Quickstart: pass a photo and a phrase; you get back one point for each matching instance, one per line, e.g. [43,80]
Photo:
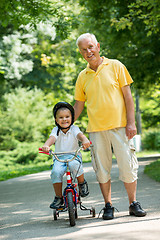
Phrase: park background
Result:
[40,62]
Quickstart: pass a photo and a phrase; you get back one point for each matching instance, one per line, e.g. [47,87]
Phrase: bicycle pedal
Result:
[60,208]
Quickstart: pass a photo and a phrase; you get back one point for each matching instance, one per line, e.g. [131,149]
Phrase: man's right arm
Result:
[78,108]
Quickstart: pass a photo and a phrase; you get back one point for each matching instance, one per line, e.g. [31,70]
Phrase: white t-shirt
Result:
[68,141]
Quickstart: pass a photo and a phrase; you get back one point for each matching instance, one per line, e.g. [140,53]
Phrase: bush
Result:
[25,153]
[151,139]
[25,117]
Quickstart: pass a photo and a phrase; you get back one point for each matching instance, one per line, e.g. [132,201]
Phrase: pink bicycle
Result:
[70,194]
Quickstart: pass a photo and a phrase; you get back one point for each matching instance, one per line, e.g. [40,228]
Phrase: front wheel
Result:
[71,209]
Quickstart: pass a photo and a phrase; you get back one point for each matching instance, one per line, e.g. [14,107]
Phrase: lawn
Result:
[12,170]
[153,170]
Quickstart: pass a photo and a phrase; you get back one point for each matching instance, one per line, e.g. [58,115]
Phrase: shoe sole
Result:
[84,195]
[107,218]
[137,215]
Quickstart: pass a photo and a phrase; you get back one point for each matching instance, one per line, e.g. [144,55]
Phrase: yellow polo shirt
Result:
[102,92]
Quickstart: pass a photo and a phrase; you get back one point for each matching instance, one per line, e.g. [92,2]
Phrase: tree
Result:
[147,11]
[16,51]
[128,39]
[17,12]
[25,49]
[150,107]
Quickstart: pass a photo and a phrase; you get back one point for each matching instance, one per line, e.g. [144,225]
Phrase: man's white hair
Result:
[86,36]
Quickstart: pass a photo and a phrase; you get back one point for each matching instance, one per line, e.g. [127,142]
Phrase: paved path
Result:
[24,211]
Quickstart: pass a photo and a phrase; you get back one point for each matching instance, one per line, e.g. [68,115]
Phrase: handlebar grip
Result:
[40,149]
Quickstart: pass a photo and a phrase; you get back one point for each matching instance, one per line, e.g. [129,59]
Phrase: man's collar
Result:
[105,62]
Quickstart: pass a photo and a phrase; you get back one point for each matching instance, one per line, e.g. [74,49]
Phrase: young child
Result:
[65,136]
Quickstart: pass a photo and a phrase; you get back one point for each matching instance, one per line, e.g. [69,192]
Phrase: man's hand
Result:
[131,130]
[130,127]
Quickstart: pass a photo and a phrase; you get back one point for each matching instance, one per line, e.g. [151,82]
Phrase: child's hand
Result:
[86,143]
[46,148]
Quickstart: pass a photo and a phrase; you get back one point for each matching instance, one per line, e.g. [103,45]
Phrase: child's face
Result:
[64,117]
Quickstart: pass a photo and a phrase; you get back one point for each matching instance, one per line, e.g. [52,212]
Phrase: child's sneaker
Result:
[57,203]
[83,189]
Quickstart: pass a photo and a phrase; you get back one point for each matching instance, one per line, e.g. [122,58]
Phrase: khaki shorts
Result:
[124,151]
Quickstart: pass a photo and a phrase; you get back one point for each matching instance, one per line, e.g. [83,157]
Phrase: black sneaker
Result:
[136,209]
[57,203]
[108,212]
[83,189]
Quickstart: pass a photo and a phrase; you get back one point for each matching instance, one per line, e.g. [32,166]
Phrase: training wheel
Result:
[76,215]
[93,212]
[55,214]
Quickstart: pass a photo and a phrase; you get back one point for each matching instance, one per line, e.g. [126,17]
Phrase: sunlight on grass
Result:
[12,170]
[153,170]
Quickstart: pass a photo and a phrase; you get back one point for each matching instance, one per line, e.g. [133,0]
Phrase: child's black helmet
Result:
[62,105]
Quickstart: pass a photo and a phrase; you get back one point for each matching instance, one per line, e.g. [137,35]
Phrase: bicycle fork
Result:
[70,188]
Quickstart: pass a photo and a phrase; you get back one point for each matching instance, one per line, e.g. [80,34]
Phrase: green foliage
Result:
[36,24]
[151,139]
[150,107]
[17,12]
[153,170]
[25,116]
[24,153]
[25,159]
[145,10]
[130,43]
[15,52]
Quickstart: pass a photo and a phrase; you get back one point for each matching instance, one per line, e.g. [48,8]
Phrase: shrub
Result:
[151,139]
[24,153]
[24,117]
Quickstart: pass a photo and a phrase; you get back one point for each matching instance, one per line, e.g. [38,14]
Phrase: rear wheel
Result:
[71,209]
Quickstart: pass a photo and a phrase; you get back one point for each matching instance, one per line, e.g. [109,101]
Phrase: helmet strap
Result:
[61,128]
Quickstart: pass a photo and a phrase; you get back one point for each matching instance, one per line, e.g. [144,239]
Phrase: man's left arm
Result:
[130,127]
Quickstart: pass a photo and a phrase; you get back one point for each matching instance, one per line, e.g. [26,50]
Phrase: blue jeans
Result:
[60,168]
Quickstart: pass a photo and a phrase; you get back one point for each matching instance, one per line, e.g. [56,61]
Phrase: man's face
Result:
[89,50]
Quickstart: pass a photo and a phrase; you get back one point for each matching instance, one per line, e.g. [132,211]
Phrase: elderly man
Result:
[105,85]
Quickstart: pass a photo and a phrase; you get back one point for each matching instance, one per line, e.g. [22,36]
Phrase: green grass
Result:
[17,170]
[153,170]
[12,170]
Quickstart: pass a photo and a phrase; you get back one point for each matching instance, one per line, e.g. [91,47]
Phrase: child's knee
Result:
[56,176]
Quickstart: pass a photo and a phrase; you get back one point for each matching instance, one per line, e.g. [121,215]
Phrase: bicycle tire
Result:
[71,209]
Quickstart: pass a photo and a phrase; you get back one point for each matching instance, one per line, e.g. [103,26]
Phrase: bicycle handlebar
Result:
[61,153]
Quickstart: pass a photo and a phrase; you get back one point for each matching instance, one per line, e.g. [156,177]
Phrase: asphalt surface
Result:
[24,211]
